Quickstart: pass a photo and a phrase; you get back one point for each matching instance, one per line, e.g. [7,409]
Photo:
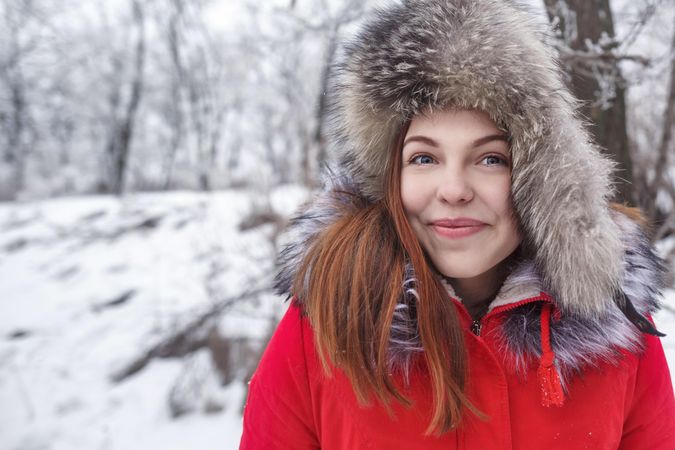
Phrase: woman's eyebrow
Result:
[478,142]
[423,139]
[490,138]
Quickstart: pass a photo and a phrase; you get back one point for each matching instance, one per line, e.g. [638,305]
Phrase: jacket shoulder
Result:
[285,352]
[278,412]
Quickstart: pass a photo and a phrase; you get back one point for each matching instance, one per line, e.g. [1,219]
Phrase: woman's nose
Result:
[455,189]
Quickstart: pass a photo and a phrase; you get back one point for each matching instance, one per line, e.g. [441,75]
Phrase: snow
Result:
[90,284]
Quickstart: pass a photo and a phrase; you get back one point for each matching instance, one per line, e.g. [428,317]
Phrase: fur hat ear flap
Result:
[488,55]
[561,187]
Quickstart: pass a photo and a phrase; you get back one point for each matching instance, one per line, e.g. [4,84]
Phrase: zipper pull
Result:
[475,327]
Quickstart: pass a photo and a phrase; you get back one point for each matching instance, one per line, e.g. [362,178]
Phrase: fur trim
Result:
[488,55]
[577,340]
[340,196]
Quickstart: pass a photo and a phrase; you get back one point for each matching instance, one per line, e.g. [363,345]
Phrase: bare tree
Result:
[591,51]
[654,175]
[203,85]
[122,129]
[174,111]
[587,47]
[328,29]
[15,118]
[666,148]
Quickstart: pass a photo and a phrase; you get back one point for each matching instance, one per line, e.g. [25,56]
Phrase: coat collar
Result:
[522,283]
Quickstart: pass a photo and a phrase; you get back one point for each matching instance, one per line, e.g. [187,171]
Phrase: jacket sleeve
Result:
[278,411]
[650,422]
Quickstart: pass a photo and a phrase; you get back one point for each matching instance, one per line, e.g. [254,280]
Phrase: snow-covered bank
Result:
[90,285]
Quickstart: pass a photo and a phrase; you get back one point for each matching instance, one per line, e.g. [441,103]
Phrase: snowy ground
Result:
[88,284]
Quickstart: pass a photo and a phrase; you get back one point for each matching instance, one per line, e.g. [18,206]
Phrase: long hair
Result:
[352,279]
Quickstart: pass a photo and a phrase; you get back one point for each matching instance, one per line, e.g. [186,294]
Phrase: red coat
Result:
[626,405]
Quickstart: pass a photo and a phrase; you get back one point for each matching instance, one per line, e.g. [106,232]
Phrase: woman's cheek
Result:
[499,197]
[410,194]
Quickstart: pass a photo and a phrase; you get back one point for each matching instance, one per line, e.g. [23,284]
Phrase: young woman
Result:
[463,282]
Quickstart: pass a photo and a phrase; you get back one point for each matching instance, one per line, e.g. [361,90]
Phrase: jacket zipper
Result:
[475,327]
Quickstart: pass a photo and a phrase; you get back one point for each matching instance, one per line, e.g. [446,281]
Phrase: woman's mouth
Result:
[457,228]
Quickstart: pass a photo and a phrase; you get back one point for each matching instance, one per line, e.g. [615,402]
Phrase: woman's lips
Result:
[457,228]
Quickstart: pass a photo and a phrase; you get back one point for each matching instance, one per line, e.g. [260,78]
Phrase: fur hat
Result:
[489,55]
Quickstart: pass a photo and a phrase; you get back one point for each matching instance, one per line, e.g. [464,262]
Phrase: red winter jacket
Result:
[627,404]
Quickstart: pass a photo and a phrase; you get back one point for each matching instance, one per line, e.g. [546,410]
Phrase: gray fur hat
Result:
[489,55]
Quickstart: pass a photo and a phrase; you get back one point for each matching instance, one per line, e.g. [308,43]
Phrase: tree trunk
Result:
[126,128]
[14,154]
[585,21]
[666,147]
[175,113]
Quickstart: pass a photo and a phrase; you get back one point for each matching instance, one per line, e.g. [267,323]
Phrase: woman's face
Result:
[455,188]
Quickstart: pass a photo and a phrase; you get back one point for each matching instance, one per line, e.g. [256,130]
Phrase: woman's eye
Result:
[492,160]
[422,159]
